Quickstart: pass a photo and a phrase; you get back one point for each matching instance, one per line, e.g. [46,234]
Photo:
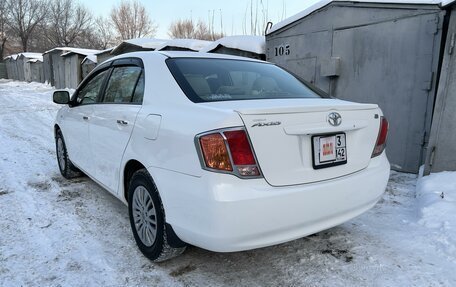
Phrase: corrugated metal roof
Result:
[191,44]
[320,4]
[254,44]
[146,43]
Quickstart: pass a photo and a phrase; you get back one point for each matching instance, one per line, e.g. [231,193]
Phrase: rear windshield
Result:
[211,80]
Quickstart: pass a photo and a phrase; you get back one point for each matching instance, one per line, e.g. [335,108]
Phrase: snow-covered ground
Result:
[55,232]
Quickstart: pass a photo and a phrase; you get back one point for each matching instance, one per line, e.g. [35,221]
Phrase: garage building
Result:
[384,52]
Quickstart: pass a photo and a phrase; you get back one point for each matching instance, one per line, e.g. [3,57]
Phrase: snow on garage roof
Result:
[37,56]
[191,44]
[68,50]
[104,51]
[318,5]
[254,44]
[84,52]
[91,57]
[145,43]
[13,56]
[35,60]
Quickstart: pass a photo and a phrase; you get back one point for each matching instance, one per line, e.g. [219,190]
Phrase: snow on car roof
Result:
[192,44]
[318,5]
[254,44]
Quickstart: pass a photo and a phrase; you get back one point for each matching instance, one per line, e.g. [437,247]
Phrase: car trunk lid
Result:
[287,137]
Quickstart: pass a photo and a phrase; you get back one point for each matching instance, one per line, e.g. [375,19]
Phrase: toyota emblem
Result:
[334,119]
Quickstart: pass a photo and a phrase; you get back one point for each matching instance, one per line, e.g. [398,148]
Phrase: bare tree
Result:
[67,22]
[104,32]
[24,15]
[187,29]
[131,20]
[3,28]
[184,29]
[259,17]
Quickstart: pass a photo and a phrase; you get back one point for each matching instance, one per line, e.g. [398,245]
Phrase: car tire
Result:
[66,167]
[147,219]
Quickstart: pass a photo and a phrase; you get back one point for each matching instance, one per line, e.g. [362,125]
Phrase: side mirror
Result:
[61,97]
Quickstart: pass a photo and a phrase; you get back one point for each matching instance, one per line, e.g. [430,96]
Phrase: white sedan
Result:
[221,152]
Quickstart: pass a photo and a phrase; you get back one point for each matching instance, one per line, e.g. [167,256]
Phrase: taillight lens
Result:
[381,138]
[229,151]
[240,148]
[214,152]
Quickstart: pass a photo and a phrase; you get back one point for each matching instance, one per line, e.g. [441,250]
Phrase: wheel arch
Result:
[130,168]
[56,128]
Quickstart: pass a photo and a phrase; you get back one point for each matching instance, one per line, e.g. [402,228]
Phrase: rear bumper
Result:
[223,213]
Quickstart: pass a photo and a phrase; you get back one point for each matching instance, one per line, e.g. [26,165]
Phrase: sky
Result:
[228,14]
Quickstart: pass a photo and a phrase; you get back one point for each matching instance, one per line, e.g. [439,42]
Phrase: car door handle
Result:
[86,118]
[122,122]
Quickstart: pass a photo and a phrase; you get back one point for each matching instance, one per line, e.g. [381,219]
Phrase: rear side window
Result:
[139,90]
[89,93]
[209,80]
[121,85]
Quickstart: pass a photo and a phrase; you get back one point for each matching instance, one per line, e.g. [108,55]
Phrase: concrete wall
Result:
[103,57]
[72,72]
[87,67]
[37,72]
[48,69]
[441,153]
[367,52]
[58,69]
[3,71]
[20,68]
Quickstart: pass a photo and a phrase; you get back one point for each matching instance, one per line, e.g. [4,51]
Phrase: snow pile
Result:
[254,44]
[436,196]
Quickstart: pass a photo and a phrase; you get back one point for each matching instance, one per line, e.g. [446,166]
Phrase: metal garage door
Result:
[402,53]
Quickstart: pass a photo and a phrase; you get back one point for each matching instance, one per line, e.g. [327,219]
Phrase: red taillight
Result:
[225,149]
[240,148]
[381,139]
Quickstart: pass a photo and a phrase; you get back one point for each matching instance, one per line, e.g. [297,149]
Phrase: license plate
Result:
[329,150]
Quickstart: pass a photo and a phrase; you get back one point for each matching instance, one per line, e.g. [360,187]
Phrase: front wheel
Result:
[66,167]
[147,218]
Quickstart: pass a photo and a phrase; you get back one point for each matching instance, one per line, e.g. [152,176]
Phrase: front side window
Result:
[121,85]
[89,93]
[209,80]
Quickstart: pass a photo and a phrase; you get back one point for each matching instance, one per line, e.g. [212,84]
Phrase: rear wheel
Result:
[147,218]
[66,167]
